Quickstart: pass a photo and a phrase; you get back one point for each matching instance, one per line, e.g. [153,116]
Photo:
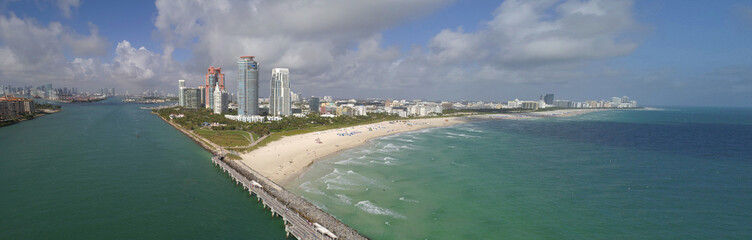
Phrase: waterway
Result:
[109,170]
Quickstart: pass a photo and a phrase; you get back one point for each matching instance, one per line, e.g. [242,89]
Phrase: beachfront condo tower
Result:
[248,86]
[280,101]
[214,78]
[181,97]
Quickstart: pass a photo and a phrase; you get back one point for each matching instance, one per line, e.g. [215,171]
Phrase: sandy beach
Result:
[285,159]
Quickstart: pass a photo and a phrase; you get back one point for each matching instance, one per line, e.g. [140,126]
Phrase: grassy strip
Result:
[278,135]
[228,138]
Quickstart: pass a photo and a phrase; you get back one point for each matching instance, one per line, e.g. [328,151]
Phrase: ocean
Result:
[109,170]
[674,173]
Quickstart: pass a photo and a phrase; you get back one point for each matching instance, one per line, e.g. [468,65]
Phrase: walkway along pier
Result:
[302,219]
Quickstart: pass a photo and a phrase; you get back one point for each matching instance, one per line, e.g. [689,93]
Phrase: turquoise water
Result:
[112,171]
[679,173]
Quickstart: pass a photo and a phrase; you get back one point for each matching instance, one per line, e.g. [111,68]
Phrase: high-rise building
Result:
[202,100]
[615,100]
[313,104]
[549,99]
[192,98]
[248,86]
[181,97]
[220,101]
[280,101]
[214,78]
[48,90]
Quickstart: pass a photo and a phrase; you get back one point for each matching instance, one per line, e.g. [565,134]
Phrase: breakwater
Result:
[302,219]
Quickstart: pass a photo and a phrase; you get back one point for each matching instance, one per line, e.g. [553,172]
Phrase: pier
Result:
[303,220]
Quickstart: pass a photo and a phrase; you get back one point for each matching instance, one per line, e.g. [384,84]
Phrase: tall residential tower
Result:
[248,86]
[214,78]
[280,100]
[181,97]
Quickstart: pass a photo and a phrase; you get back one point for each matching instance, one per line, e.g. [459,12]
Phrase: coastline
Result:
[286,159]
[38,114]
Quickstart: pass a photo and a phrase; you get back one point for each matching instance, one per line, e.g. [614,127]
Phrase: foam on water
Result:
[371,208]
[404,199]
[343,198]
[460,135]
[350,161]
[464,181]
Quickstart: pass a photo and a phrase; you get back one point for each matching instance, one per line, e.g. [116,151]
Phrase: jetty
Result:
[303,220]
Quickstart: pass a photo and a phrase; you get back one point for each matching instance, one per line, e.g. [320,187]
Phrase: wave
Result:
[470,130]
[371,208]
[457,164]
[350,161]
[344,199]
[404,199]
[460,135]
[307,188]
[347,181]
[394,148]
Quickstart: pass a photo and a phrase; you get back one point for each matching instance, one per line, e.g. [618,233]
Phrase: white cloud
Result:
[332,45]
[337,44]
[67,6]
[35,54]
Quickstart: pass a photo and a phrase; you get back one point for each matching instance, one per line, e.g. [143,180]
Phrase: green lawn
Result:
[228,138]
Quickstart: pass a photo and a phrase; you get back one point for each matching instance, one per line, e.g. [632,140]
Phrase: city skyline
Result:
[427,50]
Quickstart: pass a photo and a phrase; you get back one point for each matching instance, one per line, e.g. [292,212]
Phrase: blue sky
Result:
[657,52]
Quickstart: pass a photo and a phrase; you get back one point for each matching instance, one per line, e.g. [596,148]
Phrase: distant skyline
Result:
[657,52]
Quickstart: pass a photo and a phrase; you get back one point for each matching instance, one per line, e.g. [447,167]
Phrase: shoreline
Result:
[302,215]
[288,158]
[40,113]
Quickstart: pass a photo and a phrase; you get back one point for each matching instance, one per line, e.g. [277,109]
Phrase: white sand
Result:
[285,159]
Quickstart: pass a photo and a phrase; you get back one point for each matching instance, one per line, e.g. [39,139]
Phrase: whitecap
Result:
[343,198]
[309,189]
[470,130]
[460,135]
[350,161]
[371,208]
[404,199]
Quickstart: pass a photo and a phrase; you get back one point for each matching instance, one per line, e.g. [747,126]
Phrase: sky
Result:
[660,53]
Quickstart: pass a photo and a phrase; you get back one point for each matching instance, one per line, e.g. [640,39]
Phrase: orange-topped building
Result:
[214,79]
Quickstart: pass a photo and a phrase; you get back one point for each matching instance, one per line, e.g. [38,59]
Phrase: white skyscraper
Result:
[280,99]
[181,98]
[220,101]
